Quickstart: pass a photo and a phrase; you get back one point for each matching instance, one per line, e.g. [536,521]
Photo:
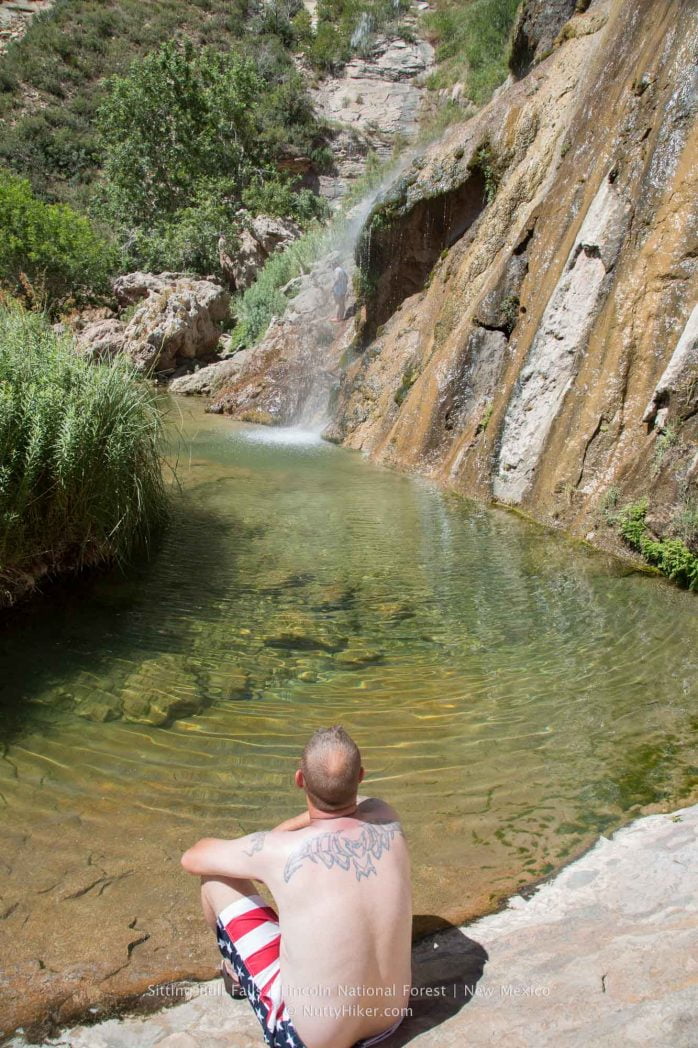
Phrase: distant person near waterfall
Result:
[339,292]
[333,969]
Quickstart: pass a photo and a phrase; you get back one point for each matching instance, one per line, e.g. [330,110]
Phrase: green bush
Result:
[671,556]
[177,119]
[472,44]
[47,250]
[80,469]
[345,27]
[65,57]
[190,137]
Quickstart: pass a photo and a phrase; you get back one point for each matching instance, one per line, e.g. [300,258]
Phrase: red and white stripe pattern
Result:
[253,927]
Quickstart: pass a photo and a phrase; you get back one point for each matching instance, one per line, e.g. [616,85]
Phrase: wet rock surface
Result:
[536,28]
[603,953]
[530,359]
[288,376]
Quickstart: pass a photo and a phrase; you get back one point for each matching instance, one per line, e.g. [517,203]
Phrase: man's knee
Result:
[219,892]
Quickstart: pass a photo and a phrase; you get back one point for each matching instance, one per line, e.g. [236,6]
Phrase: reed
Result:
[81,479]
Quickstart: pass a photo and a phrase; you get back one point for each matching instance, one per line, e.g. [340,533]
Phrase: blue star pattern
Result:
[283,1035]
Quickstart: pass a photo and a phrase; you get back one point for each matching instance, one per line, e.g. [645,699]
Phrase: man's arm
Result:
[243,857]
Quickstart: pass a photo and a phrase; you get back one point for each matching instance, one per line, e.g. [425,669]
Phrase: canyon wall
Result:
[528,331]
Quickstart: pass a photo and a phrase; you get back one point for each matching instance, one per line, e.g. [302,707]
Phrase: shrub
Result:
[67,53]
[671,556]
[472,44]
[189,138]
[177,119]
[349,26]
[80,468]
[48,247]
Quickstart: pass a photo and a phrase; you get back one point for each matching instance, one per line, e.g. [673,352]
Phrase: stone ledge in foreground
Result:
[605,953]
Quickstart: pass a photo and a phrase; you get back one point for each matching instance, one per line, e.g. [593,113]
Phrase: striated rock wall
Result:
[529,286]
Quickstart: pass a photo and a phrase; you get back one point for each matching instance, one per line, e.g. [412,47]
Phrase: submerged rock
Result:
[355,656]
[162,690]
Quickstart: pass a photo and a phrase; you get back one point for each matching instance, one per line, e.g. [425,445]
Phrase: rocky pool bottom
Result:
[514,695]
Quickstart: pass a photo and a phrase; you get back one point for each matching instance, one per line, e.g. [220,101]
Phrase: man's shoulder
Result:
[375,809]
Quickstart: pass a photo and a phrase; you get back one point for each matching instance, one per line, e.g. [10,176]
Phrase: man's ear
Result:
[361,774]
[299,780]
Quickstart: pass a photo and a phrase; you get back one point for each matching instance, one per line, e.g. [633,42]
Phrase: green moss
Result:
[409,377]
[666,440]
[491,167]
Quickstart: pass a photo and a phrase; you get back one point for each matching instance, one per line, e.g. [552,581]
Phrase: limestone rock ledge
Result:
[602,954]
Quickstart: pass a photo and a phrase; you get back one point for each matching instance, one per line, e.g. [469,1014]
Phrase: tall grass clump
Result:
[265,298]
[472,44]
[80,456]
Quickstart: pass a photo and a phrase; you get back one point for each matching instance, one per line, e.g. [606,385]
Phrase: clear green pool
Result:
[513,694]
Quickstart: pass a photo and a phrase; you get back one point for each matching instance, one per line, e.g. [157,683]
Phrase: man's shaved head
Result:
[331,766]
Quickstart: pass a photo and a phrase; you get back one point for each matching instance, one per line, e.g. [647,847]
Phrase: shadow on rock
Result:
[446,967]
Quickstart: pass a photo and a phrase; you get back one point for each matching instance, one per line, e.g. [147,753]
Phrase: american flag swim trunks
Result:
[249,937]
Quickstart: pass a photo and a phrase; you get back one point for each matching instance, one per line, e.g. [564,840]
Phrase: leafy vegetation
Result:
[671,556]
[472,44]
[188,138]
[345,27]
[52,80]
[48,253]
[161,131]
[265,298]
[80,470]
[490,167]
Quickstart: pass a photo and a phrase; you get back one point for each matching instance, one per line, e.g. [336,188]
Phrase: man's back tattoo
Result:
[339,849]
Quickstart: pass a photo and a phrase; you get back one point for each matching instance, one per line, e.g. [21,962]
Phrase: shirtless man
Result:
[333,969]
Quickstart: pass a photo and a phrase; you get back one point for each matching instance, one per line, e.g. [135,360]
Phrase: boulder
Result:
[102,340]
[260,237]
[181,319]
[134,287]
[208,380]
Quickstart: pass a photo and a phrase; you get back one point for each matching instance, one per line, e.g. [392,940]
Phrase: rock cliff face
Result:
[529,332]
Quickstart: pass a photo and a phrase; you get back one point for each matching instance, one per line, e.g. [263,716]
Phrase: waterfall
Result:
[325,342]
[362,33]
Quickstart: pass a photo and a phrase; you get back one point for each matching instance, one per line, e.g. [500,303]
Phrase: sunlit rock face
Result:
[528,286]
